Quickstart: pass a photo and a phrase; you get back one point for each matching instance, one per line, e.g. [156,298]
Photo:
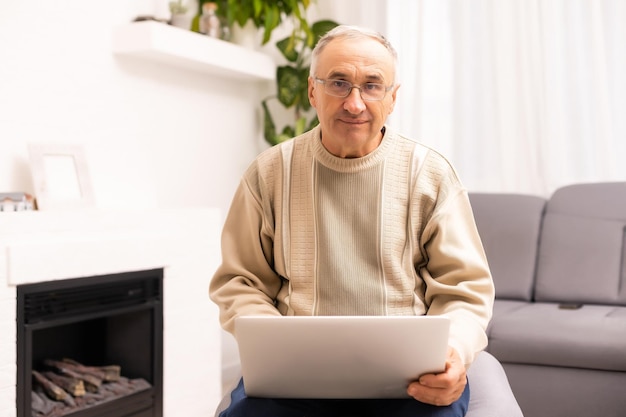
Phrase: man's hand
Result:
[444,388]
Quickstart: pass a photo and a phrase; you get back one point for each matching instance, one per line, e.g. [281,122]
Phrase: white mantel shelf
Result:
[170,45]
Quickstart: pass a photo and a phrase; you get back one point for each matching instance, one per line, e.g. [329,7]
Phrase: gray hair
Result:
[350,32]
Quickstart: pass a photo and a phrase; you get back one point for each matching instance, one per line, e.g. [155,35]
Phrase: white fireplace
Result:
[45,246]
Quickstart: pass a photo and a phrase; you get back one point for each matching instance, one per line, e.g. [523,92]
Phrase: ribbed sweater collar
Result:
[350,164]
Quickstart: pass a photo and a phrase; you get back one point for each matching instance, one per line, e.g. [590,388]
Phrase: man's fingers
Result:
[435,396]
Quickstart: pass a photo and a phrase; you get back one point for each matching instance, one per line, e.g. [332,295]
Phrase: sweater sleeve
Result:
[457,277]
[245,283]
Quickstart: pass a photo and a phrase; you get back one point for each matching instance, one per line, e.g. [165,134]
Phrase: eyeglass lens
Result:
[341,88]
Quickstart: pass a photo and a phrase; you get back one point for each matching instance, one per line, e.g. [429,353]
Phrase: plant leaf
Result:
[294,8]
[257,6]
[287,47]
[309,37]
[302,99]
[288,132]
[272,19]
[300,126]
[288,84]
[321,27]
[239,12]
[269,128]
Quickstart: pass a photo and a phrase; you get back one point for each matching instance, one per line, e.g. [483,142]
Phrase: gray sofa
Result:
[559,325]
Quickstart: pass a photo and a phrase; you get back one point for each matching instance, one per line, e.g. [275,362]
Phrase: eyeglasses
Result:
[342,88]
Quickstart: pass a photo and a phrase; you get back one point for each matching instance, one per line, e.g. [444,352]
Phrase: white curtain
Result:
[521,95]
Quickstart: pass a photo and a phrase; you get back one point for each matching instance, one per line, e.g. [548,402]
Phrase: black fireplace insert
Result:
[113,320]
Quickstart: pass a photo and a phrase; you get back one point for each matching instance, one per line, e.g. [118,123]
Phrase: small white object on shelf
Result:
[189,50]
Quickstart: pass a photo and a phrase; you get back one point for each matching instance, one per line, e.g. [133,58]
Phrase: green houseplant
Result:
[292,81]
[264,14]
[291,78]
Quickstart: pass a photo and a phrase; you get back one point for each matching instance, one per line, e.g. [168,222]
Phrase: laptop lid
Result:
[338,356]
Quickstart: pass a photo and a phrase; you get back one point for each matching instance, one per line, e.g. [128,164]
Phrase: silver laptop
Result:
[338,356]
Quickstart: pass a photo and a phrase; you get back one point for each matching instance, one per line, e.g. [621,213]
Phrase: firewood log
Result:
[52,390]
[106,373]
[92,383]
[74,386]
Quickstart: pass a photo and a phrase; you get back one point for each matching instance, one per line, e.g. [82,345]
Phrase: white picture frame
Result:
[60,176]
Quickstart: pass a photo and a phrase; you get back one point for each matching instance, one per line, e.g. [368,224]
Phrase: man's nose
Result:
[354,102]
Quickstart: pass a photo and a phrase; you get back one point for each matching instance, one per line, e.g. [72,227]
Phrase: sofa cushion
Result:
[502,307]
[581,260]
[582,251]
[590,337]
[509,226]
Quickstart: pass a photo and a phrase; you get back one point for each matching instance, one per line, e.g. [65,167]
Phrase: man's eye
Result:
[339,84]
[372,86]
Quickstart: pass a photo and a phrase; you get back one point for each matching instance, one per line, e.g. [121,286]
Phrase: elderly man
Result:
[352,218]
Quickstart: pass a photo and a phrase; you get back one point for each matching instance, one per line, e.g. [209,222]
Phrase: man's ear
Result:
[311,87]
[394,90]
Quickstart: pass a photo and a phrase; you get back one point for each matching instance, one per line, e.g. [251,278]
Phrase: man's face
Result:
[351,126]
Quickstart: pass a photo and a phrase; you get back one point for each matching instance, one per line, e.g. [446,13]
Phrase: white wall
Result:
[368,13]
[155,136]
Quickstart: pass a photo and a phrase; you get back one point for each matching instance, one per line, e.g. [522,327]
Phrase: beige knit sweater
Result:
[391,233]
